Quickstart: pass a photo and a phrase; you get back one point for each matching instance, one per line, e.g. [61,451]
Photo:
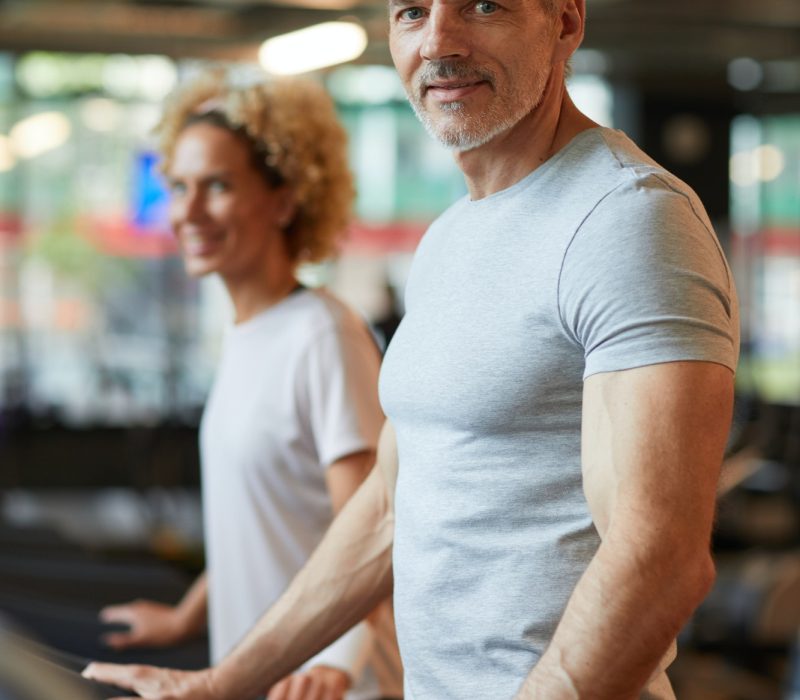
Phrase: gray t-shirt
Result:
[599,260]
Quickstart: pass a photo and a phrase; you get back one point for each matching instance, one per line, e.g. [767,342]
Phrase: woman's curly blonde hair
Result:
[292,126]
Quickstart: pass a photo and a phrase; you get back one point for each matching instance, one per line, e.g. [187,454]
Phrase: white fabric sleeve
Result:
[345,415]
[350,652]
[644,281]
[342,390]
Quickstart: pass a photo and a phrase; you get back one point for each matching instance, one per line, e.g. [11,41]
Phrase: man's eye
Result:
[176,188]
[485,7]
[411,14]
[218,186]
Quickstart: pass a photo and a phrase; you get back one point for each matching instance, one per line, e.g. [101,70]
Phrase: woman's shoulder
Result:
[321,311]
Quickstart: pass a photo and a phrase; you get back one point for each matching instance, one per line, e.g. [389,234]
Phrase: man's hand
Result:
[151,625]
[155,683]
[317,683]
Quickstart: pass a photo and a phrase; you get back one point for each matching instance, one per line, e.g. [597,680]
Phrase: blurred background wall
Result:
[107,348]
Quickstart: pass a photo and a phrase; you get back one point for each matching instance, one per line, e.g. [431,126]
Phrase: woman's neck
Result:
[254,295]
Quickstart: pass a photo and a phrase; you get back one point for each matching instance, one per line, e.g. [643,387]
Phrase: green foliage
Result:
[74,257]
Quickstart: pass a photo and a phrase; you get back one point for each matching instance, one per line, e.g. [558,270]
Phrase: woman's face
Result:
[224,215]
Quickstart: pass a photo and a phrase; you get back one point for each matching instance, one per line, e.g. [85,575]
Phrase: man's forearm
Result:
[345,578]
[651,444]
[620,621]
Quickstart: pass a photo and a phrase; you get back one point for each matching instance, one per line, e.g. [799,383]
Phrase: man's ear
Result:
[571,24]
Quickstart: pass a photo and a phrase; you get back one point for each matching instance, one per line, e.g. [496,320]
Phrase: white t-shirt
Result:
[295,391]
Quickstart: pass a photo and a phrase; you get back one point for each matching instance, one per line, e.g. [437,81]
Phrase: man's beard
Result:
[468,131]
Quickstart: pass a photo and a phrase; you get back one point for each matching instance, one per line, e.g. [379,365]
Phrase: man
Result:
[561,390]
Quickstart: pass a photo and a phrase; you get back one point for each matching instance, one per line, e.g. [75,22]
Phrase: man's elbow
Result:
[684,572]
[707,577]
[696,574]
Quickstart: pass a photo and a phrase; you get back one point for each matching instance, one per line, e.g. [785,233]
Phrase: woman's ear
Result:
[286,207]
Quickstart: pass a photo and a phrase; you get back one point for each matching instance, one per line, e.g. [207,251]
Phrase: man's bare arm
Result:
[653,441]
[343,479]
[343,581]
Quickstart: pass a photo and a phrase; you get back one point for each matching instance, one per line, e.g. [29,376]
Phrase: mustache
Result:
[453,70]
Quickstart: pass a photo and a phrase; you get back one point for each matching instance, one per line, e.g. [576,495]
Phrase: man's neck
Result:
[514,154]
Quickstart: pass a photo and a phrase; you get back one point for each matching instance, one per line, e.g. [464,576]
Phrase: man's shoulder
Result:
[623,150]
[595,163]
[631,169]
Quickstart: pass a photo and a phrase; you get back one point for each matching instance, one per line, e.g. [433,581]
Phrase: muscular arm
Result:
[653,440]
[345,578]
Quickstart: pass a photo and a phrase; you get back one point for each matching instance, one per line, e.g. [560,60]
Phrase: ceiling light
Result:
[101,114]
[743,172]
[157,77]
[312,48]
[120,76]
[764,163]
[770,162]
[7,160]
[745,74]
[40,133]
[39,74]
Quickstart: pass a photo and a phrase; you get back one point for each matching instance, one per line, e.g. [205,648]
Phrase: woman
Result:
[259,183]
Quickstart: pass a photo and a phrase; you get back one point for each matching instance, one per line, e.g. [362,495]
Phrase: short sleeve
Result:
[645,281]
[340,380]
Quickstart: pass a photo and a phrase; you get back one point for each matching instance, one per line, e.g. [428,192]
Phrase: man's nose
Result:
[445,35]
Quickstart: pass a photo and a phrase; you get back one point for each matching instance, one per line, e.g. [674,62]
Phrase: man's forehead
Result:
[406,3]
[395,3]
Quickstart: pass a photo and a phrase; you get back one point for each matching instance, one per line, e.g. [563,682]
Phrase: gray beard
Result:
[469,132]
[466,136]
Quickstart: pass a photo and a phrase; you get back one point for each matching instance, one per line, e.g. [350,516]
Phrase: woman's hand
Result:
[151,625]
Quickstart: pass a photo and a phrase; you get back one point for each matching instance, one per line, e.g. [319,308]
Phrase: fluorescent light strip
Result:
[314,47]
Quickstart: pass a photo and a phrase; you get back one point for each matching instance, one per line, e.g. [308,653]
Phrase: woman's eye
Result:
[176,188]
[218,186]
[411,13]
[485,7]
